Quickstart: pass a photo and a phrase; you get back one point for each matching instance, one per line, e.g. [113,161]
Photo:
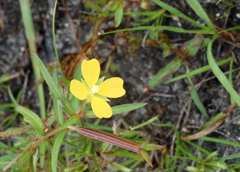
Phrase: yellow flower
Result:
[94,91]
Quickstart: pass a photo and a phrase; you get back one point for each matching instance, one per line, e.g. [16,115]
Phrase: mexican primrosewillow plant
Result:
[90,89]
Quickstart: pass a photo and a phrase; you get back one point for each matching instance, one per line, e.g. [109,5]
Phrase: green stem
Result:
[29,31]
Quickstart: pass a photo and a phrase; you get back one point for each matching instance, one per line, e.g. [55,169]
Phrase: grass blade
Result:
[56,106]
[32,118]
[54,38]
[56,149]
[169,28]
[177,13]
[53,86]
[196,98]
[220,75]
[29,31]
[195,5]
[172,67]
[199,70]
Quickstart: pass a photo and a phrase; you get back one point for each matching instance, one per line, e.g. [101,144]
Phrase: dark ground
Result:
[137,65]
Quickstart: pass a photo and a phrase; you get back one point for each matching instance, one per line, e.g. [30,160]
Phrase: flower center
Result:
[95,89]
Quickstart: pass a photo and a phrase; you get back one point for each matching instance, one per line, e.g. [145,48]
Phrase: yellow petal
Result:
[78,89]
[101,108]
[112,88]
[90,71]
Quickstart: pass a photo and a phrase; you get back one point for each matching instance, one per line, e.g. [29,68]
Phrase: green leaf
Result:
[169,28]
[56,149]
[53,86]
[214,120]
[177,13]
[70,121]
[195,5]
[192,46]
[171,68]
[12,97]
[5,159]
[146,157]
[144,123]
[120,167]
[154,16]
[118,14]
[32,118]
[199,70]
[119,109]
[31,39]
[220,75]
[193,169]
[196,98]
[57,106]
[14,132]
[25,157]
[211,156]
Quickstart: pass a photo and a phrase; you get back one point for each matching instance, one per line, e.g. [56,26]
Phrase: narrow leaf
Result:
[199,70]
[196,6]
[119,14]
[146,157]
[177,12]
[15,132]
[53,86]
[32,118]
[171,68]
[220,75]
[70,121]
[196,98]
[57,107]
[56,149]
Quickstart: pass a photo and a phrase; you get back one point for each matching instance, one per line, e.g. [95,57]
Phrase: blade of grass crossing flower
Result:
[177,13]
[56,149]
[195,5]
[57,107]
[220,75]
[53,86]
[29,31]
[32,118]
[199,70]
[119,109]
[171,68]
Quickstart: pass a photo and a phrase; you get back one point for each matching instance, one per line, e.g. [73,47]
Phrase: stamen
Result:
[95,89]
